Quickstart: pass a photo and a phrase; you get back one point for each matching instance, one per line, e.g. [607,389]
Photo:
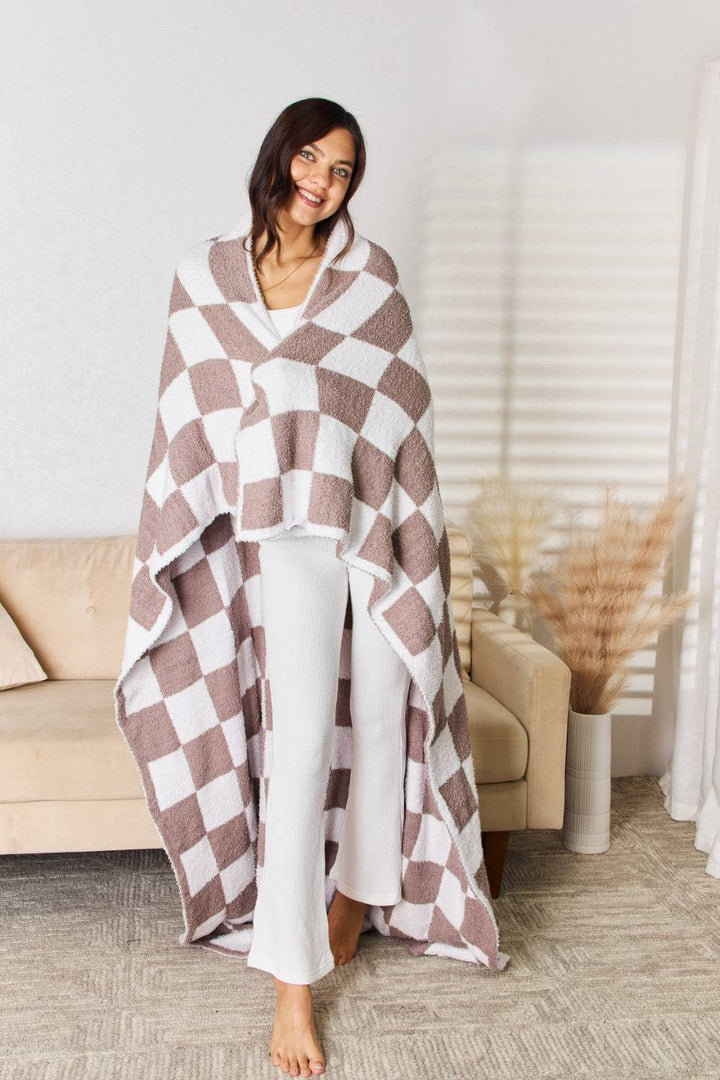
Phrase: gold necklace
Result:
[303,258]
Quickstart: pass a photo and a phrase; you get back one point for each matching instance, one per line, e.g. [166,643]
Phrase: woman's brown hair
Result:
[270,183]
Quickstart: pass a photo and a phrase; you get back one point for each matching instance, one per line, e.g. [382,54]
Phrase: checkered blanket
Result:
[331,425]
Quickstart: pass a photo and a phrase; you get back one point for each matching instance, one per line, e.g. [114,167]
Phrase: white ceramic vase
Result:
[586,825]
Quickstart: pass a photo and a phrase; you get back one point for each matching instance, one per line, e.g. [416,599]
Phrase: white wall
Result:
[133,127]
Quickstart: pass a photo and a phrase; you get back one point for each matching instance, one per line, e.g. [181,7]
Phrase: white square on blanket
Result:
[212,642]
[367,293]
[246,659]
[255,448]
[359,360]
[451,899]
[386,425]
[289,385]
[199,864]
[220,427]
[194,337]
[470,838]
[178,406]
[253,595]
[403,507]
[334,448]
[432,592]
[160,483]
[237,876]
[192,711]
[242,369]
[353,308]
[296,486]
[207,926]
[428,508]
[234,731]
[194,275]
[433,843]
[452,685]
[220,800]
[141,688]
[414,786]
[412,355]
[413,919]
[446,756]
[171,778]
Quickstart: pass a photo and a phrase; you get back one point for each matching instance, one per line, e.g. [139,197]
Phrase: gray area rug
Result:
[614,973]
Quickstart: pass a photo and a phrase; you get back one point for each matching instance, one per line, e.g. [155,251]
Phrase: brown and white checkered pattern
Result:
[332,425]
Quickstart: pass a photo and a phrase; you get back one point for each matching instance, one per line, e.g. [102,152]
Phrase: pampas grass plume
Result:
[507,522]
[594,598]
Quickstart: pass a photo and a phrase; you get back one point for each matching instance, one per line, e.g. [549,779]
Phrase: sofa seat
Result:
[59,738]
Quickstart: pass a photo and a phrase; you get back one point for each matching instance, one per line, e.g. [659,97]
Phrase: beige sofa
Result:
[69,783]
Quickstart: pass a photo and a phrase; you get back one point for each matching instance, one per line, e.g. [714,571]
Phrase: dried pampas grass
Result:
[594,598]
[507,522]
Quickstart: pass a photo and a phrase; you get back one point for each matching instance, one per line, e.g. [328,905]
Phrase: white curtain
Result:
[688,667]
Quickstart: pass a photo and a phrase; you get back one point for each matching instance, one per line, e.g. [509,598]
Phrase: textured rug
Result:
[614,973]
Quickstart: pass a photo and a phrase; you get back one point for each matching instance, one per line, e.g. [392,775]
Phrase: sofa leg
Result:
[495,848]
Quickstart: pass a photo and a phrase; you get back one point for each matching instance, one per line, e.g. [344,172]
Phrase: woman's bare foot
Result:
[294,1044]
[345,918]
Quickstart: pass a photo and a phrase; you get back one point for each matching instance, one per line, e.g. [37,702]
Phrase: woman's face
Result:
[324,169]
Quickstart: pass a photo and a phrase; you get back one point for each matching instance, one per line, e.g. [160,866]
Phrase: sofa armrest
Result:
[534,684]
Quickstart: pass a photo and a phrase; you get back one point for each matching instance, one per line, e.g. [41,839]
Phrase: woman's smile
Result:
[309,198]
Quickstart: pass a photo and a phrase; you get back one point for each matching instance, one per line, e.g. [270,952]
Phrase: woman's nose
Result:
[318,179]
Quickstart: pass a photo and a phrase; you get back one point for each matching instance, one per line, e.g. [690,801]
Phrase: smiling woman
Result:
[295,703]
[309,165]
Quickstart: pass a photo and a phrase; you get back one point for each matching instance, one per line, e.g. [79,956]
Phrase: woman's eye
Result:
[341,172]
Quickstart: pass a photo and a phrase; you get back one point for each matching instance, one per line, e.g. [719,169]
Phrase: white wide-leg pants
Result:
[304,597]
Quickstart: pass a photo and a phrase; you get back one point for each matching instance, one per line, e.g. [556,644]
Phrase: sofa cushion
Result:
[69,598]
[59,740]
[498,740]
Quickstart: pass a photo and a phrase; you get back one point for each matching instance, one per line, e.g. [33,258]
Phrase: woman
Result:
[291,603]
[305,590]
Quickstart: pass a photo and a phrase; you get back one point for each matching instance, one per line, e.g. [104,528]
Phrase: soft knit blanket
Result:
[330,425]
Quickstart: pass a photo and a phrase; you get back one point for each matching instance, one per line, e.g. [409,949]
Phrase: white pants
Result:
[304,597]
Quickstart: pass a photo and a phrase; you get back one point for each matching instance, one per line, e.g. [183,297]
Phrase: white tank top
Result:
[284,318]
